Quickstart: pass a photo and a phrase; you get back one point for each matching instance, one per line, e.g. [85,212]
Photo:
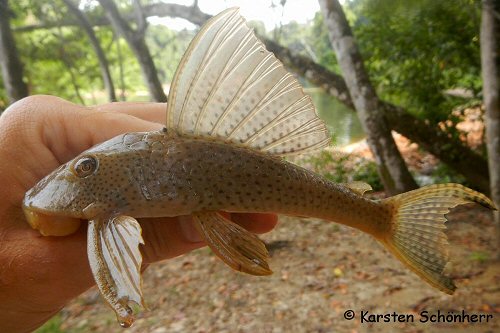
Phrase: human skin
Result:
[39,275]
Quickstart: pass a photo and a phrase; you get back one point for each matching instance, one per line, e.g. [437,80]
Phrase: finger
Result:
[96,127]
[169,237]
[154,112]
[56,130]
[255,222]
[166,238]
[71,128]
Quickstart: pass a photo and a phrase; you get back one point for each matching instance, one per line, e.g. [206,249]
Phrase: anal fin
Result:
[115,260]
[236,246]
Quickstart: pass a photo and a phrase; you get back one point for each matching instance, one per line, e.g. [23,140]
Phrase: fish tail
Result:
[416,234]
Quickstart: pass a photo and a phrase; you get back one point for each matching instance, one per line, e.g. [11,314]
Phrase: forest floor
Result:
[321,270]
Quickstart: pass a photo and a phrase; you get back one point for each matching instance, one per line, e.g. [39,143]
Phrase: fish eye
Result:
[85,166]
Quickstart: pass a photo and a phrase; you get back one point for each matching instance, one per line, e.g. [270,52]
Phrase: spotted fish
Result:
[233,113]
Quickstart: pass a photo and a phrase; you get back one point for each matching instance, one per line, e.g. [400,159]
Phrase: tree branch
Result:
[138,45]
[94,42]
[142,24]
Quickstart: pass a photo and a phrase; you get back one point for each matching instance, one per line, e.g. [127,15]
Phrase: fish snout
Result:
[51,206]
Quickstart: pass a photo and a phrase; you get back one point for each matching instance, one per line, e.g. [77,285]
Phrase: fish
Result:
[234,114]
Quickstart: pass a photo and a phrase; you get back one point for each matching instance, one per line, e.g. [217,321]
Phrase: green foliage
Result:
[416,50]
[51,326]
[444,174]
[329,167]
[345,169]
[258,27]
[167,47]
[309,40]
[367,172]
[60,60]
[479,256]
[413,50]
[320,42]
[3,97]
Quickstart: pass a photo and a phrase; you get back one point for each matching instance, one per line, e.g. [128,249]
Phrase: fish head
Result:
[87,187]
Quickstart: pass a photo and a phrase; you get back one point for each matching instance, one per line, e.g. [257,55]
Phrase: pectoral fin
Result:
[115,260]
[237,247]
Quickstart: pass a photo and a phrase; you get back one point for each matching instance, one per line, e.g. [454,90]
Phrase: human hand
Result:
[39,275]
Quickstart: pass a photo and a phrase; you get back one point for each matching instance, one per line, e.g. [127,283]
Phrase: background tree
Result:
[137,43]
[12,69]
[58,60]
[490,59]
[422,55]
[392,168]
[94,42]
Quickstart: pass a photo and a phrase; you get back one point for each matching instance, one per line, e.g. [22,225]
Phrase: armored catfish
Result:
[233,112]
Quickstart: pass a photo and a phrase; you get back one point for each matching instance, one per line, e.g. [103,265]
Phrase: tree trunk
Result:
[12,69]
[137,44]
[103,62]
[490,63]
[391,166]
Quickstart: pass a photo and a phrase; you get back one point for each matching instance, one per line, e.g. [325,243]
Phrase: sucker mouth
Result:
[51,224]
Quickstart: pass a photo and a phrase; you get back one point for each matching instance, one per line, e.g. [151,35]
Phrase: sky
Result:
[301,11]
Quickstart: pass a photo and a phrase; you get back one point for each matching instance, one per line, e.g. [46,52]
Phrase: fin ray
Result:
[237,247]
[417,235]
[230,87]
[115,261]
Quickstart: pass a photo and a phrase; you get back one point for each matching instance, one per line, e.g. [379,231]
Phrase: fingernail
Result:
[188,229]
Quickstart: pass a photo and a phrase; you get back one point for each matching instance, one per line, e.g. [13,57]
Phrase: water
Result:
[342,122]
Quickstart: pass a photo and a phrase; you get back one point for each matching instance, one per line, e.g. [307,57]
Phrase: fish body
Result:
[233,112]
[159,174]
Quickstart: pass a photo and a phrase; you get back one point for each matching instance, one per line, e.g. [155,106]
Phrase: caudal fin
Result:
[416,236]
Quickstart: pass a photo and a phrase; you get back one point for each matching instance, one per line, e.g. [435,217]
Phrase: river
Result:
[342,122]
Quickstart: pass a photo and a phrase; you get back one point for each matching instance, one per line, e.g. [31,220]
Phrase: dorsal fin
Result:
[229,86]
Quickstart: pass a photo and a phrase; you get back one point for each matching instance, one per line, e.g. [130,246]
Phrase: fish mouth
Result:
[49,223]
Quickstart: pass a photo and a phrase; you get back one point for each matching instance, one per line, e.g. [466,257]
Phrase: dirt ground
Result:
[321,270]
